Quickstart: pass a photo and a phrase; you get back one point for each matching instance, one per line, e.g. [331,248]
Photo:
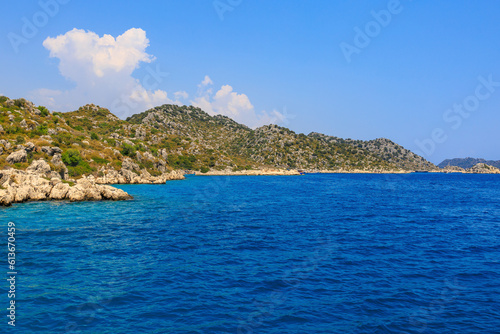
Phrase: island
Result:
[78,155]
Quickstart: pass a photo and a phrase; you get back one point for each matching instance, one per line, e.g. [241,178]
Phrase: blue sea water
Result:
[416,253]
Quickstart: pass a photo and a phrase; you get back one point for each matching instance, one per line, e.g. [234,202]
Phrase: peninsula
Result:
[75,155]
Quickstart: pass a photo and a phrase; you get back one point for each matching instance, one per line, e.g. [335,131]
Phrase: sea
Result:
[317,253]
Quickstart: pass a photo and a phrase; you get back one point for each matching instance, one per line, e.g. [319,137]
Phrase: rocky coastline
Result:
[264,171]
[40,183]
[480,168]
[131,173]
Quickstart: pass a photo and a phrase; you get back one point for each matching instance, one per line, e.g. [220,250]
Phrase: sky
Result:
[423,74]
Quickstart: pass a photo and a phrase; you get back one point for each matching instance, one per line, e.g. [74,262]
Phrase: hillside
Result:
[272,145]
[468,162]
[93,141]
[385,149]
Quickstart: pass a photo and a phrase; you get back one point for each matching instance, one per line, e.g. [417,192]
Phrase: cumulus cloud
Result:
[207,81]
[181,95]
[101,69]
[232,104]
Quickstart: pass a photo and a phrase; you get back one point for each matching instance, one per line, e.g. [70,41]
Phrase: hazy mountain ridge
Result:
[468,162]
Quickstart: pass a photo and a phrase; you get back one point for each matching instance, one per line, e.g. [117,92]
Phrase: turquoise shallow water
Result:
[414,253]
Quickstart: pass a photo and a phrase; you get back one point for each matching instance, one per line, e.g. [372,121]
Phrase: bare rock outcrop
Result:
[482,168]
[17,156]
[62,169]
[50,151]
[126,176]
[30,147]
[5,143]
[39,166]
[453,169]
[33,185]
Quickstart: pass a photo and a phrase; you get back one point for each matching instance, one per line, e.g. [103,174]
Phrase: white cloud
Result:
[181,95]
[207,81]
[101,68]
[232,104]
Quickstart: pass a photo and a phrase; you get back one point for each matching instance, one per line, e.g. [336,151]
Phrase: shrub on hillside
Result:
[43,111]
[128,150]
[82,168]
[20,102]
[41,130]
[71,157]
[20,140]
[100,160]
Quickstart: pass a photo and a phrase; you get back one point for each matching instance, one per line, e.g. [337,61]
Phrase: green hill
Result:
[171,137]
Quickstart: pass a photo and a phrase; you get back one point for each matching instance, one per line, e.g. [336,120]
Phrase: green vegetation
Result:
[20,140]
[43,111]
[75,163]
[100,161]
[128,150]
[41,130]
[71,158]
[180,137]
[181,161]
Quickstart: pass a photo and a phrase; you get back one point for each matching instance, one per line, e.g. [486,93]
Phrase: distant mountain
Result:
[468,162]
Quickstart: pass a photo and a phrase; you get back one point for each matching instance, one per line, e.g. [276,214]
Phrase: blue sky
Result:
[272,61]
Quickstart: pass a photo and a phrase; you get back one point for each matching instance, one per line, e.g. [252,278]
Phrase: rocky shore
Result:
[40,183]
[265,171]
[480,168]
[358,171]
[131,173]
